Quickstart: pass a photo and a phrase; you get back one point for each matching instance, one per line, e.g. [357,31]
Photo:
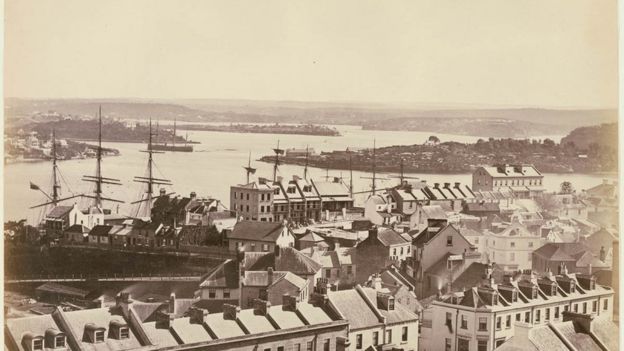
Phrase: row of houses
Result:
[355,319]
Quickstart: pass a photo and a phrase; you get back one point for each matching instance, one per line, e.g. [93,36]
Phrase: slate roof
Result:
[390,237]
[258,231]
[312,237]
[511,171]
[224,275]
[578,339]
[100,317]
[603,190]
[59,212]
[189,332]
[351,305]
[20,327]
[561,251]
[62,289]
[400,314]
[434,212]
[607,332]
[290,259]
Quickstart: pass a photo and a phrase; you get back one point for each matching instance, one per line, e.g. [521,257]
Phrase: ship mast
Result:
[98,179]
[305,168]
[148,197]
[174,135]
[249,169]
[278,152]
[56,186]
[350,175]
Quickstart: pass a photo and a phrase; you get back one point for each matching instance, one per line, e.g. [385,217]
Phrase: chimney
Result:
[279,179]
[372,233]
[377,282]
[436,185]
[197,315]
[276,250]
[193,195]
[261,307]
[579,320]
[123,297]
[589,269]
[336,246]
[457,185]
[603,254]
[172,304]
[446,185]
[163,192]
[289,303]
[270,276]
[344,212]
[100,302]
[230,312]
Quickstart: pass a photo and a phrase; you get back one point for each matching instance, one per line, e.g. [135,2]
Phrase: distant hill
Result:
[498,122]
[604,135]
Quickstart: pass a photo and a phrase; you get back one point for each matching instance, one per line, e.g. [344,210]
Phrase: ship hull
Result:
[159,147]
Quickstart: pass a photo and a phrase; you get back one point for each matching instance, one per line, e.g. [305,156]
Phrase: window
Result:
[556,312]
[464,322]
[394,252]
[99,336]
[261,208]
[59,341]
[247,208]
[247,196]
[212,293]
[584,307]
[328,273]
[449,241]
[508,322]
[389,336]
[527,317]
[267,349]
[566,308]
[404,334]
[530,244]
[124,333]
[265,247]
[575,307]
[358,341]
[226,293]
[375,338]
[498,323]
[447,344]
[349,269]
[448,319]
[463,344]
[401,251]
[547,316]
[518,317]
[280,348]
[253,247]
[538,315]
[482,323]
[37,344]
[309,346]
[326,345]
[482,345]
[513,244]
[594,306]
[605,304]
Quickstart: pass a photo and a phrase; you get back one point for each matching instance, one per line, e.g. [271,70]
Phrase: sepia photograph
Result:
[277,175]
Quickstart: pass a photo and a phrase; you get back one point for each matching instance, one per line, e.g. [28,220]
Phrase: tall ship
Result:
[159,146]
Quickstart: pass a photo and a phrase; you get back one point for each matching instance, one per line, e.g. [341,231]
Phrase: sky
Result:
[538,53]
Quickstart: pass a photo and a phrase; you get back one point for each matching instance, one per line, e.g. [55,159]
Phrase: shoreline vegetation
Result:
[595,154]
[299,129]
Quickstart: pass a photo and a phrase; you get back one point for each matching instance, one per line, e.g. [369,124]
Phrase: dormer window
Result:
[391,304]
[495,299]
[514,296]
[572,286]
[124,333]
[553,290]
[59,341]
[99,336]
[37,344]
[534,293]
[119,330]
[276,191]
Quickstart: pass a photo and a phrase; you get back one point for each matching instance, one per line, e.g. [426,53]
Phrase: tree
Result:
[434,139]
[566,187]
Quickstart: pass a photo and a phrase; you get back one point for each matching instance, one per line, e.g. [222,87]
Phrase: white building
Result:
[512,248]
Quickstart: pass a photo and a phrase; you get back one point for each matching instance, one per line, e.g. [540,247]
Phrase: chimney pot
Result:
[230,312]
[261,307]
[289,303]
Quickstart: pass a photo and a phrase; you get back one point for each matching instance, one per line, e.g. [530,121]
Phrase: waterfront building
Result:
[335,196]
[252,236]
[451,198]
[222,284]
[376,321]
[484,317]
[381,209]
[60,218]
[525,181]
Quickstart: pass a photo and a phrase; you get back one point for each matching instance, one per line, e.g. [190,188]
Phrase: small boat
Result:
[171,147]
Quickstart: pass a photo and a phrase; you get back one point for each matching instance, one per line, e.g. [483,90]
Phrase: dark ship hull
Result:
[165,147]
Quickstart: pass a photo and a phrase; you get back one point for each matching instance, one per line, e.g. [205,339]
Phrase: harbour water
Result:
[217,163]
